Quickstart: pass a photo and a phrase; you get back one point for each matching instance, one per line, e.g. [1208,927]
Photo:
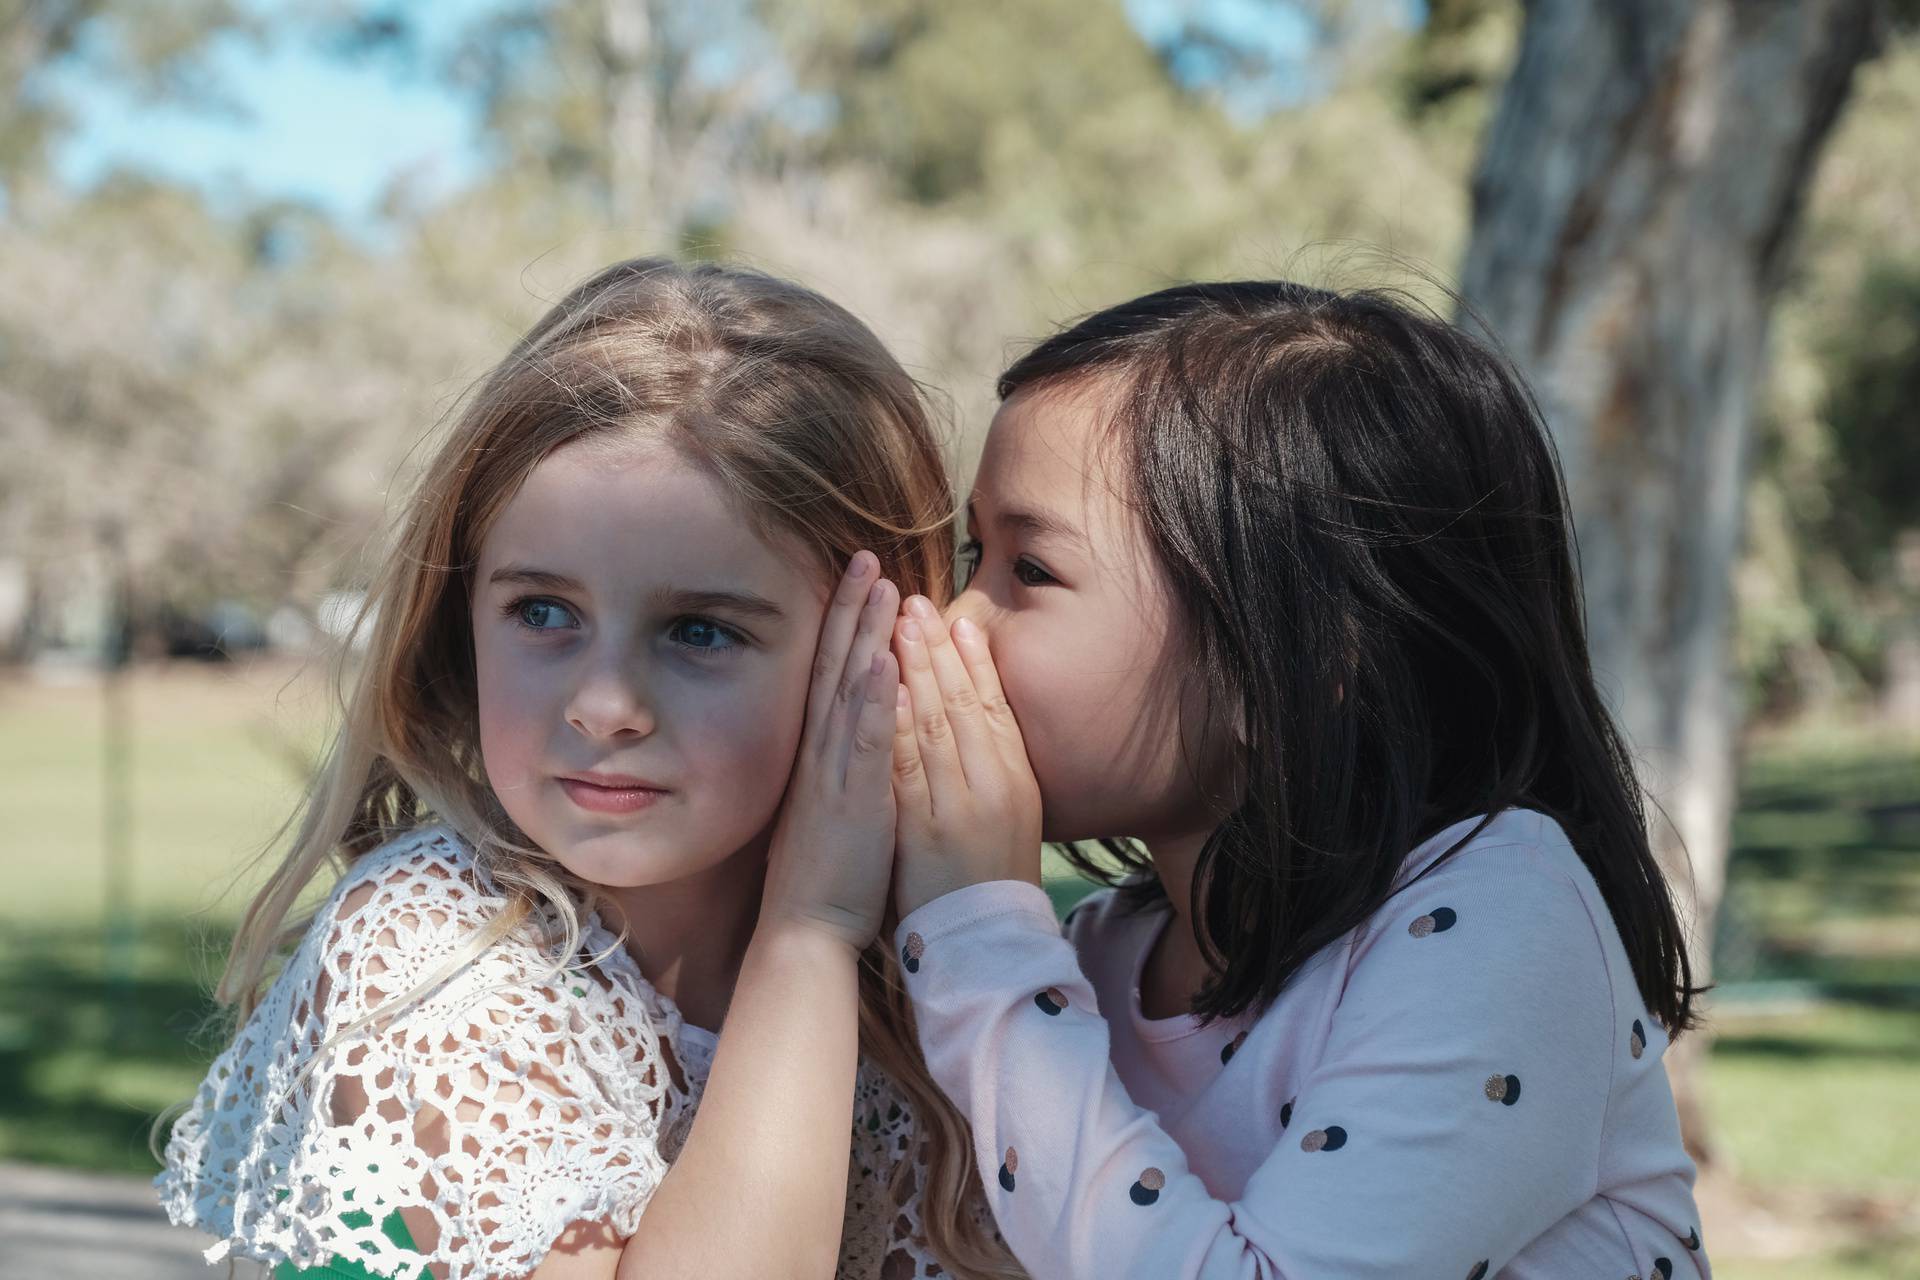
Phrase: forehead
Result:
[642,512]
[1053,449]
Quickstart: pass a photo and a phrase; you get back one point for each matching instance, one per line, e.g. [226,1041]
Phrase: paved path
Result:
[56,1224]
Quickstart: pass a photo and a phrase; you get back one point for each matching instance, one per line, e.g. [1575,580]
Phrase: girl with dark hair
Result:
[1280,586]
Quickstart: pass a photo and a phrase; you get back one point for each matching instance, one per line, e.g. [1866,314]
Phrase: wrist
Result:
[823,933]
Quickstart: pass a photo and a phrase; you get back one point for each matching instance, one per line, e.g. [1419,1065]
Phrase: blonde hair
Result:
[798,409]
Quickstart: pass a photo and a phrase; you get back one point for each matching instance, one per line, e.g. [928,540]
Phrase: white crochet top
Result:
[578,1087]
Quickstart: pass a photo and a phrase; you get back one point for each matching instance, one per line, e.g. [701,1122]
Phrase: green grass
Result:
[1818,1096]
[1826,1099]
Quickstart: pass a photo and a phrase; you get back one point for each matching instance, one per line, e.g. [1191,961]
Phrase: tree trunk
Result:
[636,176]
[1634,206]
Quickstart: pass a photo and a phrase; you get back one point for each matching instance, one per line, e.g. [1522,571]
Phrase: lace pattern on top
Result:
[509,1101]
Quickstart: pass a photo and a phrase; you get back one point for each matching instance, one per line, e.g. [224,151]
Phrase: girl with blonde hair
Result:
[615,763]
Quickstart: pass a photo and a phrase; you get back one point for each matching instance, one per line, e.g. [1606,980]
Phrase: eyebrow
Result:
[695,601]
[675,600]
[1022,520]
[528,577]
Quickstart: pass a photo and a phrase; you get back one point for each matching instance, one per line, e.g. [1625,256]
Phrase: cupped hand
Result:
[832,852]
[968,804]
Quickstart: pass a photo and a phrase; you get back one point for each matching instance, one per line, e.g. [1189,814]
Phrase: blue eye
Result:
[704,635]
[542,615]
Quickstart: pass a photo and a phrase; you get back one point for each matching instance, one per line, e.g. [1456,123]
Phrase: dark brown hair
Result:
[1365,525]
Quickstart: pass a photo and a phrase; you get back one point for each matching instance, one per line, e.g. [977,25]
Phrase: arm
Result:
[1398,1159]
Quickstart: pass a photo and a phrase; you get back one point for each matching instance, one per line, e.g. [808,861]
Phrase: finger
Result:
[933,736]
[871,640]
[870,752]
[972,645]
[910,796]
[974,743]
[836,635]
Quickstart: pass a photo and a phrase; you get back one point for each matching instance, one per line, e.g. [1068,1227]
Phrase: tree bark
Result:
[1634,206]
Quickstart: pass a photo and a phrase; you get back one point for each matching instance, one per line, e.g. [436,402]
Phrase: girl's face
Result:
[643,660]
[1082,623]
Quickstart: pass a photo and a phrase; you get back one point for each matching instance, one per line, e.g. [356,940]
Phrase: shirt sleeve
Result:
[1454,1115]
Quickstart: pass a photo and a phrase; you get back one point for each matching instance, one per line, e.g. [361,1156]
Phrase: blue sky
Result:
[308,124]
[335,132]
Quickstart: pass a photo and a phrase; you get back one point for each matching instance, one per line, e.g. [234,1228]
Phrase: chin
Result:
[619,859]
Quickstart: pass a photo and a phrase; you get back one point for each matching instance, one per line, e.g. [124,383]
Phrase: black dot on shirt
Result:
[1331,1138]
[1051,1001]
[911,953]
[1007,1168]
[1637,1042]
[1664,1267]
[1286,1113]
[1146,1188]
[1503,1089]
[1233,1047]
[1438,920]
[1479,1271]
[1693,1238]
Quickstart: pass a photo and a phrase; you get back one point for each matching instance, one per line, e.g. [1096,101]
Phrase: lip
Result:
[611,792]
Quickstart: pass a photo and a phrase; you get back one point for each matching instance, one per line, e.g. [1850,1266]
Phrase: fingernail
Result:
[923,606]
[963,629]
[910,631]
[860,565]
[879,589]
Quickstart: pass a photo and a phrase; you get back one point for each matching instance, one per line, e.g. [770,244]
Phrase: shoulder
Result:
[412,914]
[423,882]
[1518,860]
[1511,916]
[428,865]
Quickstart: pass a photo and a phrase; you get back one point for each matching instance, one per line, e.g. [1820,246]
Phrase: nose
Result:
[611,701]
[973,605]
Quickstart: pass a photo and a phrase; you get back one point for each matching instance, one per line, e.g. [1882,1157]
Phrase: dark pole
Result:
[116,808]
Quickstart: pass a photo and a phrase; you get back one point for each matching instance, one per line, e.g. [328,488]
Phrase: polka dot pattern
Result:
[1439,920]
[1331,1138]
[1502,1087]
[1232,1047]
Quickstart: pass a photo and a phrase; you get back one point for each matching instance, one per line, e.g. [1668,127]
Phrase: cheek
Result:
[517,704]
[743,738]
[1100,731]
